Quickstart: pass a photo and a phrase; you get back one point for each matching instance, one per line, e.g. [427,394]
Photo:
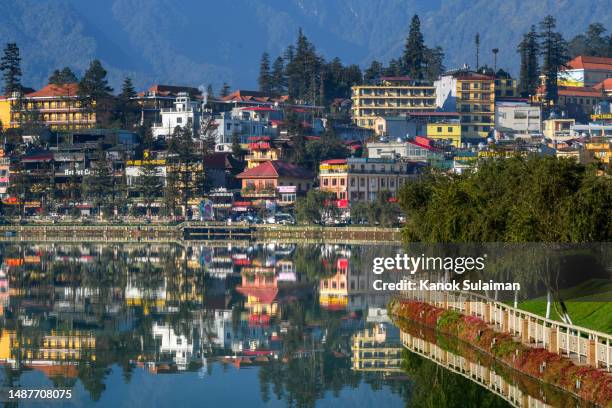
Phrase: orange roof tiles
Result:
[594,63]
[53,90]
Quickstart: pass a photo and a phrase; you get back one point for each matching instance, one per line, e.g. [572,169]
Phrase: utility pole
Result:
[495,51]
[477,42]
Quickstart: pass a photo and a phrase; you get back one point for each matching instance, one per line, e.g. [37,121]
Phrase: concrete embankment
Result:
[590,384]
[196,232]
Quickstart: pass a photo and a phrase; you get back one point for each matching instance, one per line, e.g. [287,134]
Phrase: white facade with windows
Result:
[185,113]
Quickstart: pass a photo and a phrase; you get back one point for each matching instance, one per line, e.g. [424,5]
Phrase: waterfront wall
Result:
[590,384]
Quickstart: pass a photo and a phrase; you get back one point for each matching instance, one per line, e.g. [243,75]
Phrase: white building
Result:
[185,113]
[518,118]
[245,122]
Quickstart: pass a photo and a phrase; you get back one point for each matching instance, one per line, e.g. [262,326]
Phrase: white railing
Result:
[473,371]
[585,345]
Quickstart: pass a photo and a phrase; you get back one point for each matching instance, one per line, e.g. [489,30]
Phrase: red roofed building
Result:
[274,178]
[586,71]
[57,106]
[159,97]
[605,86]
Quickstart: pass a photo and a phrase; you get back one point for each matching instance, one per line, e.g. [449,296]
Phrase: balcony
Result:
[259,193]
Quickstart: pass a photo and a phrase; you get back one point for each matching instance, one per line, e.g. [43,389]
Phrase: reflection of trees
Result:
[434,386]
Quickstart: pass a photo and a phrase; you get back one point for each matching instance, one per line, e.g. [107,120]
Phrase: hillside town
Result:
[317,142]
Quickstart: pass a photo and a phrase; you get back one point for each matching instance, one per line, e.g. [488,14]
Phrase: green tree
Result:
[236,148]
[434,63]
[63,76]
[149,184]
[95,94]
[209,91]
[553,49]
[278,76]
[373,72]
[315,207]
[225,90]
[98,184]
[10,65]
[529,73]
[413,58]
[265,76]
[127,106]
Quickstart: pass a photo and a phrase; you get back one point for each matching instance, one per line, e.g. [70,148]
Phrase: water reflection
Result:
[288,325]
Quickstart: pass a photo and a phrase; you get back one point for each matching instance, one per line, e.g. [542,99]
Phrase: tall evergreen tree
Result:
[10,65]
[414,51]
[278,75]
[553,48]
[127,106]
[149,183]
[529,72]
[98,182]
[209,91]
[434,63]
[63,76]
[225,90]
[265,76]
[95,93]
[373,72]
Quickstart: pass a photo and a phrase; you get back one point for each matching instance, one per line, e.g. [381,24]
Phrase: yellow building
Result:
[472,95]
[56,106]
[558,128]
[391,96]
[373,350]
[506,87]
[600,150]
[446,131]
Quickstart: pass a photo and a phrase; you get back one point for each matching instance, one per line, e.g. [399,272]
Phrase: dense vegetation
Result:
[520,199]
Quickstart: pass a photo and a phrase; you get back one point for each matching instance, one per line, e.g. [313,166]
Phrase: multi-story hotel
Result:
[473,96]
[391,96]
[56,106]
[360,179]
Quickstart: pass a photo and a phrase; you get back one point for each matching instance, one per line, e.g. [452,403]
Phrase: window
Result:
[342,182]
[334,182]
[450,129]
[475,85]
[362,182]
[325,182]
[439,129]
[352,182]
[465,87]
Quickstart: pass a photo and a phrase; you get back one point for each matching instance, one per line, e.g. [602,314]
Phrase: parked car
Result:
[281,218]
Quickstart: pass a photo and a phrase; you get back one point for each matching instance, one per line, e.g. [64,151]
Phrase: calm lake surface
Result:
[226,326]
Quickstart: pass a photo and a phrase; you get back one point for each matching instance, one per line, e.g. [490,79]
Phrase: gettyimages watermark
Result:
[576,272]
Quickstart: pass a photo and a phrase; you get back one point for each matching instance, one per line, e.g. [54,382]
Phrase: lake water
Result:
[224,326]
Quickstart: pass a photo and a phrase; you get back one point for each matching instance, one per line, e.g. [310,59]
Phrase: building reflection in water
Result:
[305,316]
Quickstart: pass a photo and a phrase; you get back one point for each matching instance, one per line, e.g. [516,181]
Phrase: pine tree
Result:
[414,51]
[225,90]
[149,183]
[209,91]
[10,65]
[553,48]
[236,148]
[529,72]
[99,181]
[278,75]
[265,76]
[373,72]
[63,76]
[434,63]
[95,93]
[127,105]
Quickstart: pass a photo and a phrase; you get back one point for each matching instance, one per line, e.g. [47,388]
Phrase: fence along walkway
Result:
[583,345]
[473,371]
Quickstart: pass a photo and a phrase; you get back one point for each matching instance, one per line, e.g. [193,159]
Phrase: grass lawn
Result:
[589,305]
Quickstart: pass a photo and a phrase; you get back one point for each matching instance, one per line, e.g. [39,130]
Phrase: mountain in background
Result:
[193,42]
